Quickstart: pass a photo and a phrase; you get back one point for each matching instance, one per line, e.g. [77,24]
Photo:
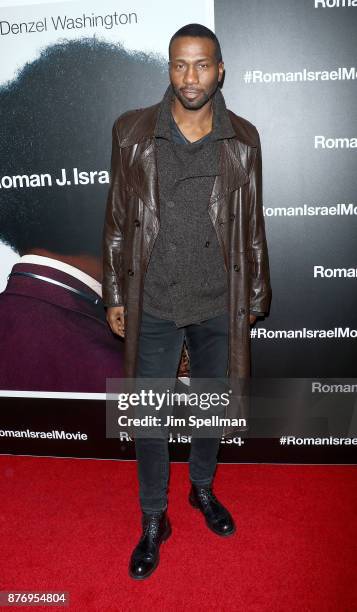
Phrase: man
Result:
[53,330]
[185,257]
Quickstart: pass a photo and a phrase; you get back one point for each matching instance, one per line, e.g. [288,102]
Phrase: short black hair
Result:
[57,113]
[199,30]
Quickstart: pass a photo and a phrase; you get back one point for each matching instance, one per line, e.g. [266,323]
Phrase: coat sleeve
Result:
[112,243]
[260,295]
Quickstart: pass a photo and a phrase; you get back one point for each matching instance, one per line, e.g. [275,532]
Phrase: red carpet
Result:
[71,524]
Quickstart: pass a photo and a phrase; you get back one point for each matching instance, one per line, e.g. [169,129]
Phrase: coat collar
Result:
[221,128]
[21,284]
[154,121]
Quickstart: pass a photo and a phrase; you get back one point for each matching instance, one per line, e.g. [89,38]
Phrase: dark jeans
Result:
[160,346]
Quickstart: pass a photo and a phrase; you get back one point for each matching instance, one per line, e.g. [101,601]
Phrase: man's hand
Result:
[115,318]
[252,319]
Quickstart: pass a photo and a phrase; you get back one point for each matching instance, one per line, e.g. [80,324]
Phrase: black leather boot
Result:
[218,519]
[145,557]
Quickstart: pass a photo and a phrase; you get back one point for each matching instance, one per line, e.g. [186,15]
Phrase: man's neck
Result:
[194,124]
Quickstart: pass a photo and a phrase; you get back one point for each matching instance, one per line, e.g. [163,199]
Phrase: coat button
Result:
[171,204]
[173,246]
[236,267]
[232,216]
[207,243]
[130,272]
[241,312]
[137,222]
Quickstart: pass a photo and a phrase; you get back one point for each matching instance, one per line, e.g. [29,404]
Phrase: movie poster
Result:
[71,69]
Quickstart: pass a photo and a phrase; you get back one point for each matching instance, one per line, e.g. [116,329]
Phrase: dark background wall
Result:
[288,36]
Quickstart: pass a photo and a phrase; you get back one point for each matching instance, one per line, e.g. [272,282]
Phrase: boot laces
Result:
[207,495]
[152,526]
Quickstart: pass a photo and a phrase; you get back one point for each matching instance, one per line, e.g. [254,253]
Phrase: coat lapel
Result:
[143,175]
[232,176]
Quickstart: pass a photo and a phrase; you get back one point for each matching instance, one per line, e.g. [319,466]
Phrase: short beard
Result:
[195,104]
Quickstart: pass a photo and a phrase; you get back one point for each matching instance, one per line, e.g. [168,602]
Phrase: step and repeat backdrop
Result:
[291,71]
[68,70]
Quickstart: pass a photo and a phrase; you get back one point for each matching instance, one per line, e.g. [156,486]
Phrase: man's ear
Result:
[220,71]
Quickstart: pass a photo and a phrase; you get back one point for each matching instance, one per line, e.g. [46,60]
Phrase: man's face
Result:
[194,70]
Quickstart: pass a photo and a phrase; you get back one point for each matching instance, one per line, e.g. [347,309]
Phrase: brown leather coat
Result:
[132,223]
